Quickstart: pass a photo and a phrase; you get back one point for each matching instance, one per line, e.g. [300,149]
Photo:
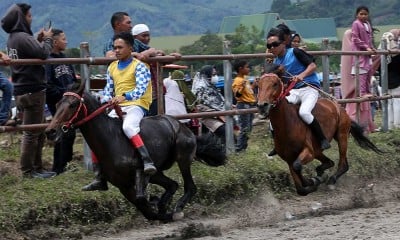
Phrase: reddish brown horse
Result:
[294,141]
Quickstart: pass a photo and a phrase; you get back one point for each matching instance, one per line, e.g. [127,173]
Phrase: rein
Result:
[327,95]
[284,91]
[70,123]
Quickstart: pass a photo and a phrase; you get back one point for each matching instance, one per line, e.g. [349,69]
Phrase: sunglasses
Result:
[273,44]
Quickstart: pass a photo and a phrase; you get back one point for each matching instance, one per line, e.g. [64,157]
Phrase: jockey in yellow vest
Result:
[129,85]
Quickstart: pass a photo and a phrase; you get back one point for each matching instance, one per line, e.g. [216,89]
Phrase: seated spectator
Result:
[209,99]
[174,100]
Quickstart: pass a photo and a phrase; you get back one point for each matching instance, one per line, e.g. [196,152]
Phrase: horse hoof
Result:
[178,216]
[331,187]
[324,177]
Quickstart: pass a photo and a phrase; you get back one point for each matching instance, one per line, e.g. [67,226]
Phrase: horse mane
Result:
[277,69]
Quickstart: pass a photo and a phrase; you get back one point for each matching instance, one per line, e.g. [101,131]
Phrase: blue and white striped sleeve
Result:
[143,78]
[108,91]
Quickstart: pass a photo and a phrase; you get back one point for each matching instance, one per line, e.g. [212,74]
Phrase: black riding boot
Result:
[317,131]
[148,165]
[99,183]
[273,151]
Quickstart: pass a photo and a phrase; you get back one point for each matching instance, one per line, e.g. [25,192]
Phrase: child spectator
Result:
[244,95]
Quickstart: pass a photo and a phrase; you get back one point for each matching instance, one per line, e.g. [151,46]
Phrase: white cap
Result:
[139,28]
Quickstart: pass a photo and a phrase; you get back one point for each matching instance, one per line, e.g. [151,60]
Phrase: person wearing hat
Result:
[141,34]
[174,100]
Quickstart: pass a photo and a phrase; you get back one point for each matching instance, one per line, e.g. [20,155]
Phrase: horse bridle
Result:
[284,91]
[70,123]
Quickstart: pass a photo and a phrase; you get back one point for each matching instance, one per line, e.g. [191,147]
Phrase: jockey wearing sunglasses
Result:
[300,67]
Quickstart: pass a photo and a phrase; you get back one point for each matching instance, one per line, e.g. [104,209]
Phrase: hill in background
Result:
[89,20]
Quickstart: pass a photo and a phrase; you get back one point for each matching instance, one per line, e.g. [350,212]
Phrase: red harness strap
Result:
[87,118]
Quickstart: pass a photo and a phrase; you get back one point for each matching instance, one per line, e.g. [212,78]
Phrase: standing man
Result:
[59,78]
[120,22]
[142,51]
[29,83]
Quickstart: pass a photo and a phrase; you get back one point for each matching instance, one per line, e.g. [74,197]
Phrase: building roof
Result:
[311,30]
[315,29]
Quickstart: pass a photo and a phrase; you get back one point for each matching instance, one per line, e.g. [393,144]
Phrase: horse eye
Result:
[74,105]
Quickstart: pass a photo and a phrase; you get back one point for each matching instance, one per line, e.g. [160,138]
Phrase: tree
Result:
[245,41]
[279,5]
[209,44]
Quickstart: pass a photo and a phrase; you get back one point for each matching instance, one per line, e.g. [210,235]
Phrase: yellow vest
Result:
[125,81]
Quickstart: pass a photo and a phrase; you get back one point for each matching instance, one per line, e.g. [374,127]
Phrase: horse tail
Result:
[357,132]
[210,150]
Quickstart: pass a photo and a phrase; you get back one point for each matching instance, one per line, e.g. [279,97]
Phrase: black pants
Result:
[63,149]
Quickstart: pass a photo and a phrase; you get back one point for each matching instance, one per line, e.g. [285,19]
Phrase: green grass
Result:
[57,207]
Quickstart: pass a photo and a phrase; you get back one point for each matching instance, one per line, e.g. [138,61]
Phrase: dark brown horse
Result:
[167,140]
[294,141]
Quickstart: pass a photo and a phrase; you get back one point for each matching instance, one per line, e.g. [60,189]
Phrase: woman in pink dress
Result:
[361,40]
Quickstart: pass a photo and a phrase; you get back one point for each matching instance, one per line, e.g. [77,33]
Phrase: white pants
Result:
[394,109]
[307,97]
[131,120]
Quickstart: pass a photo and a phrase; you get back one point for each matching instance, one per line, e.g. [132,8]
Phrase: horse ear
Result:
[275,68]
[280,70]
[81,86]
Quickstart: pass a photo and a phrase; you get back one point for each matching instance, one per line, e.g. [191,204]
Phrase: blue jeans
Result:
[7,88]
[246,125]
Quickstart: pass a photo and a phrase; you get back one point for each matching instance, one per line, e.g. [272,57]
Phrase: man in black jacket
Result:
[29,83]
[59,78]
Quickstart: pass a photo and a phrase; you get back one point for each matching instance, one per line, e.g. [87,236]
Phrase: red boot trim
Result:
[137,141]
[94,158]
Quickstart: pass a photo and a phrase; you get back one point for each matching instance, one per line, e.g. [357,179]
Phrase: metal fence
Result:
[86,60]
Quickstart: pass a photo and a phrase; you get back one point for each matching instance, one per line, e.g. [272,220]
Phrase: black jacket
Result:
[59,78]
[22,45]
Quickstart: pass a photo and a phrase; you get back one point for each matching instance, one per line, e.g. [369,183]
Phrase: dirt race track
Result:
[356,209]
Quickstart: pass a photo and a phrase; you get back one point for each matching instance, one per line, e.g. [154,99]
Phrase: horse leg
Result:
[304,157]
[190,190]
[170,187]
[144,206]
[342,140]
[186,144]
[343,164]
[298,182]
[326,163]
